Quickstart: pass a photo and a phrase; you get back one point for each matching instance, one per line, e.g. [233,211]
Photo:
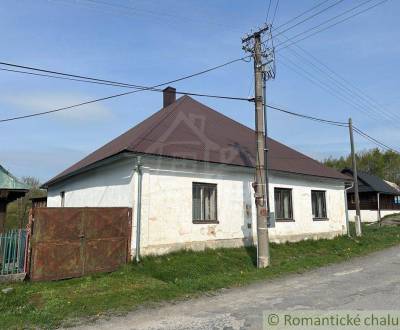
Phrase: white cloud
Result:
[27,103]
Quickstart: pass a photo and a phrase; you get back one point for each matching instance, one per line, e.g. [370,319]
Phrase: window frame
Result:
[324,218]
[208,185]
[291,218]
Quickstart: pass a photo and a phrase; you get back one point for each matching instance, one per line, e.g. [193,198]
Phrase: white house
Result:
[187,172]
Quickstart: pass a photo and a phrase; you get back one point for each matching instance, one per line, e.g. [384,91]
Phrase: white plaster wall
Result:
[370,215]
[167,206]
[107,186]
[167,202]
[302,211]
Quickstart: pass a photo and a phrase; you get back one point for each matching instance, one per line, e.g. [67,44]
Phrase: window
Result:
[397,199]
[318,201]
[62,196]
[204,203]
[283,204]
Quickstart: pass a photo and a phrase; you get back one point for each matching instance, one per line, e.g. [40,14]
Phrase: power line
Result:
[342,83]
[321,120]
[301,14]
[120,84]
[131,11]
[275,11]
[377,142]
[322,84]
[269,7]
[284,44]
[115,96]
[310,17]
[139,88]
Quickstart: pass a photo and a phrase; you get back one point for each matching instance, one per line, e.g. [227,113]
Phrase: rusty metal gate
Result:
[72,242]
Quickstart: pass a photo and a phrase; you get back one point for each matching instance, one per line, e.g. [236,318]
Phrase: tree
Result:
[18,211]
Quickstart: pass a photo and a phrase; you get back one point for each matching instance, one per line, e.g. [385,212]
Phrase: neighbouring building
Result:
[377,197]
[10,189]
[189,169]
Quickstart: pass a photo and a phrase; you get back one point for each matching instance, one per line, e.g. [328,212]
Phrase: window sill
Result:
[284,220]
[205,222]
[320,219]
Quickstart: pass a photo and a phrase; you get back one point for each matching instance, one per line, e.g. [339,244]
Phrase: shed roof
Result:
[188,129]
[10,182]
[372,183]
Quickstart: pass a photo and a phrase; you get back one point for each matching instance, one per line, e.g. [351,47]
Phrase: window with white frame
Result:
[204,202]
[318,201]
[283,204]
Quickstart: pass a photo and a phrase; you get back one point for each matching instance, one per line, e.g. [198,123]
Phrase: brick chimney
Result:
[169,96]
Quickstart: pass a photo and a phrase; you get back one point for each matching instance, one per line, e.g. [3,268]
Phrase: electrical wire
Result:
[275,11]
[377,142]
[341,83]
[301,14]
[310,17]
[322,84]
[269,7]
[120,84]
[120,94]
[139,88]
[285,43]
[321,120]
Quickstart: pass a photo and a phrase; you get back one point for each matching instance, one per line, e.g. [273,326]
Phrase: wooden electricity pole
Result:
[253,45]
[355,178]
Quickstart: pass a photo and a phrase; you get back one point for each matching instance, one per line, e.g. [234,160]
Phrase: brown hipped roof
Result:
[188,129]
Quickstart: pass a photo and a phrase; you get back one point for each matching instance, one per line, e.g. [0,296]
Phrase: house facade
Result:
[378,197]
[187,172]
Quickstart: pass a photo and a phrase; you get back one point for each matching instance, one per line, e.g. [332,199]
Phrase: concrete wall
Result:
[167,203]
[370,215]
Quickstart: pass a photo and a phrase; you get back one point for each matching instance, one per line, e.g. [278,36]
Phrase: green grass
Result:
[174,276]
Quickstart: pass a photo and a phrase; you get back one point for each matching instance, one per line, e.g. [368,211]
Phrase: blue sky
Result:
[157,41]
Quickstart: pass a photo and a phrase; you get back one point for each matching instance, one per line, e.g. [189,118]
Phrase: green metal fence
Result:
[12,251]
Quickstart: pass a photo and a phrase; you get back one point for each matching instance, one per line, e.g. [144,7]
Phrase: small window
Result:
[318,201]
[62,196]
[397,199]
[283,204]
[204,205]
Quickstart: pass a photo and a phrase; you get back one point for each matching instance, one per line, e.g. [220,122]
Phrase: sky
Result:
[150,42]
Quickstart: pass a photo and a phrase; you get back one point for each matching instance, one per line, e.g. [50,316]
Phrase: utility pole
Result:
[252,43]
[355,179]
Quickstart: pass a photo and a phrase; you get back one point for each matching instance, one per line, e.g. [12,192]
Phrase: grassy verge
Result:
[174,276]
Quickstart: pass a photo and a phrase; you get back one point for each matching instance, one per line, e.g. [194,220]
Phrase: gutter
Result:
[138,208]
[347,208]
